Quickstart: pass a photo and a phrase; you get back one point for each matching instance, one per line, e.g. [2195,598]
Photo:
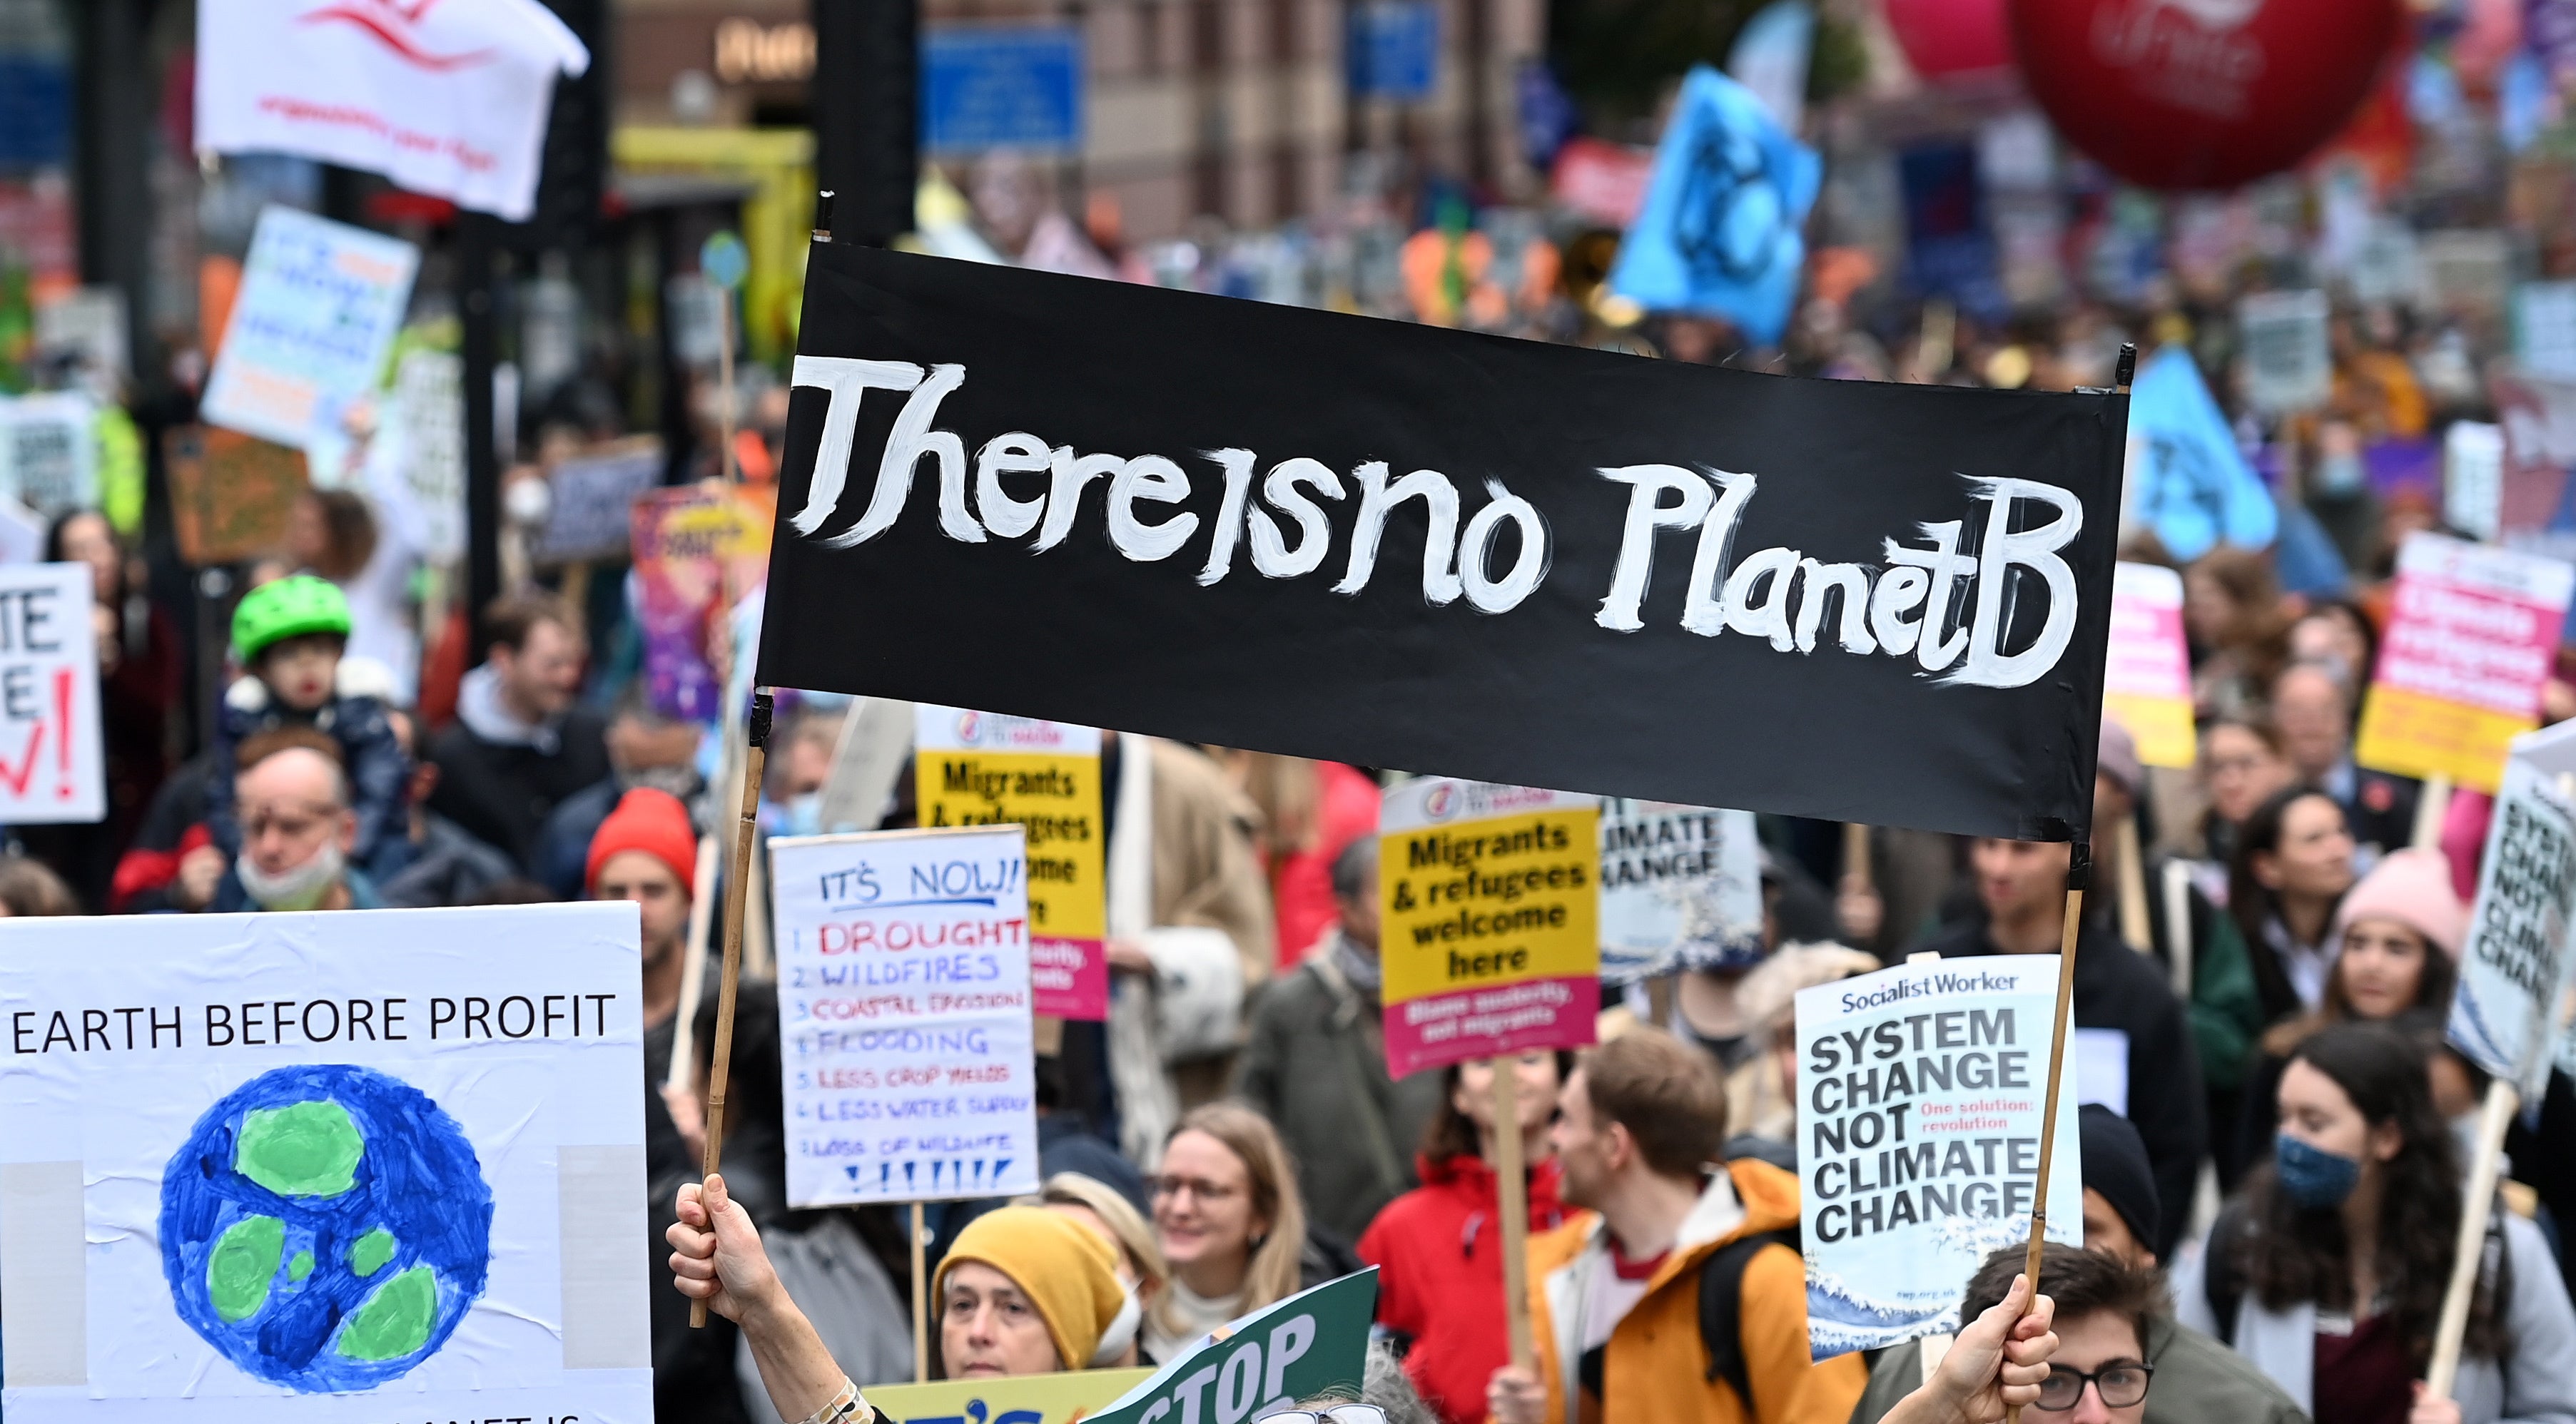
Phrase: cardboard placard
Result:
[903,1005]
[593,498]
[344,1166]
[49,452]
[2544,329]
[978,769]
[2288,367]
[1311,1344]
[2514,966]
[2471,636]
[698,549]
[1489,906]
[429,403]
[2473,460]
[232,495]
[1064,1398]
[52,768]
[318,308]
[1922,1089]
[2146,682]
[1681,888]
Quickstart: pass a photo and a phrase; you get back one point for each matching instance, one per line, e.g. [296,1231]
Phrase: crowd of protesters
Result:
[2272,1189]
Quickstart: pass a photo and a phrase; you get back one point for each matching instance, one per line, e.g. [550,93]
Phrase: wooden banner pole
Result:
[2079,872]
[1512,1197]
[920,1299]
[693,969]
[724,377]
[737,895]
[2136,929]
[2475,1204]
[2432,804]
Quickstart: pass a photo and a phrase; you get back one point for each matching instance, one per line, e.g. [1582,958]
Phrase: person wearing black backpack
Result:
[2328,1273]
[1684,1301]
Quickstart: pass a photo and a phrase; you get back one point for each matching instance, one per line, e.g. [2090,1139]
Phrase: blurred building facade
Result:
[1241,110]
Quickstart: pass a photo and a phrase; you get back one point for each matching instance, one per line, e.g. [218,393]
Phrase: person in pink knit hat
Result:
[2388,929]
[2397,938]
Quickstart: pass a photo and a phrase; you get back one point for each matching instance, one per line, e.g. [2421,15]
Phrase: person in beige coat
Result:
[1190,933]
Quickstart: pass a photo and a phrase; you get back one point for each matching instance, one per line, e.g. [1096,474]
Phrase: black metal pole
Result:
[477,243]
[113,106]
[867,82]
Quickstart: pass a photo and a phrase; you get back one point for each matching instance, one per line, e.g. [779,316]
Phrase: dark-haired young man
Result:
[519,746]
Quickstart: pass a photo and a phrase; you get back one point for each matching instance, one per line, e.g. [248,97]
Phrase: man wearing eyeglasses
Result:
[297,829]
[2100,1373]
[2197,1379]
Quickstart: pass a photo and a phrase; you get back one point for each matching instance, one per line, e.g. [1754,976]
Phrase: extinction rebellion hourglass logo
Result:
[1728,224]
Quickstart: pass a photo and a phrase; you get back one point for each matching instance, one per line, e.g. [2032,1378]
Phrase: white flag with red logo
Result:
[447,97]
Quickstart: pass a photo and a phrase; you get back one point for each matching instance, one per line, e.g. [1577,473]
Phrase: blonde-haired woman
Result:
[1141,1268]
[1227,1215]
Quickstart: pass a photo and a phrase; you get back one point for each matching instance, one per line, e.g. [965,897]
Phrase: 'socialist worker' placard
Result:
[1489,900]
[2513,970]
[981,769]
[903,999]
[1920,1093]
[2471,635]
[331,1168]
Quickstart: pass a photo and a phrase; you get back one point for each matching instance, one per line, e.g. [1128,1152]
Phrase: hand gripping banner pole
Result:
[737,894]
[2079,875]
[2079,872]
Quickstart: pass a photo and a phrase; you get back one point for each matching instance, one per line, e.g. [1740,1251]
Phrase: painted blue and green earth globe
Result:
[326,1227]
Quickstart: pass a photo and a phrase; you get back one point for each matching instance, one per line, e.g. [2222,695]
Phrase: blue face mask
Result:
[804,815]
[2314,1177]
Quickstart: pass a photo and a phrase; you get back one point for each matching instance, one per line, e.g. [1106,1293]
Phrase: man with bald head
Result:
[297,829]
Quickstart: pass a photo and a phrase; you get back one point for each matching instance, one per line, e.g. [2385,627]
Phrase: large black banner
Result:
[1396,545]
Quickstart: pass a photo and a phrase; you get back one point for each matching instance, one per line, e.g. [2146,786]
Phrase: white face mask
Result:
[300,888]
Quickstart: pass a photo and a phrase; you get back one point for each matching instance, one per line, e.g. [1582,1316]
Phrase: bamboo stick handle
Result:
[737,894]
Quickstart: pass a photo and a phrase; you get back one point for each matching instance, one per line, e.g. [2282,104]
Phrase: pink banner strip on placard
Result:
[1069,978]
[1442,1029]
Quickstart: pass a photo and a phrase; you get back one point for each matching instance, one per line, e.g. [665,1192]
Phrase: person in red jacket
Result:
[1439,1249]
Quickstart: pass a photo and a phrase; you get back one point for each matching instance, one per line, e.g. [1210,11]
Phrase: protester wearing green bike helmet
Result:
[289,634]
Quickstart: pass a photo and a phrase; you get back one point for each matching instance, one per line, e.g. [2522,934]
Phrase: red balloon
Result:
[1942,38]
[2201,93]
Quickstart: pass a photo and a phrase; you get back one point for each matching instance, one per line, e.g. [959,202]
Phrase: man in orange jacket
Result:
[1614,1297]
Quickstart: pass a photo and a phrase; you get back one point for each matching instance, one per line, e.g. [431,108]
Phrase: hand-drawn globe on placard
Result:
[325,1227]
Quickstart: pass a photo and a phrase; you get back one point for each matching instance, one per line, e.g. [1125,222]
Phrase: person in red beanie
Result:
[647,852]
[1438,1248]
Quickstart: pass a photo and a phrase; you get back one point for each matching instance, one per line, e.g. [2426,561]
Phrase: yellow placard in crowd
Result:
[2146,682]
[1489,901]
[2472,635]
[981,769]
[1021,1399]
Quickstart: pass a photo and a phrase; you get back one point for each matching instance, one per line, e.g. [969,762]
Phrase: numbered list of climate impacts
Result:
[903,998]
